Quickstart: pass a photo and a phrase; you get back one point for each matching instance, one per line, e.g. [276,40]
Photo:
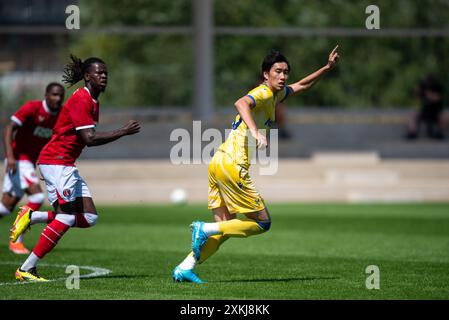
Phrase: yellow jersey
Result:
[236,145]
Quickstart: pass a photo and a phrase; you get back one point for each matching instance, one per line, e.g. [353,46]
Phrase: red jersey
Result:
[36,122]
[80,111]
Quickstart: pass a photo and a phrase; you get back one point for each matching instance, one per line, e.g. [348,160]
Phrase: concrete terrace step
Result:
[362,178]
[326,177]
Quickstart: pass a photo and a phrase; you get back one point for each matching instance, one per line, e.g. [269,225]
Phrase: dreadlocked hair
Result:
[75,70]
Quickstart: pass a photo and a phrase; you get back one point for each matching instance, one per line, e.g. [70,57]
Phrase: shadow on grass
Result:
[80,249]
[120,276]
[278,279]
[138,276]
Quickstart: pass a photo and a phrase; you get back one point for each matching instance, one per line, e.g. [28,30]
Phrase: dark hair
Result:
[75,70]
[51,85]
[271,58]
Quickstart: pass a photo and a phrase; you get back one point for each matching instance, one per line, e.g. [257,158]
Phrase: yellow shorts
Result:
[231,186]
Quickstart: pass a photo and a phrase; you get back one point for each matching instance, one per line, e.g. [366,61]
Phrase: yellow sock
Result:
[239,228]
[232,228]
[211,246]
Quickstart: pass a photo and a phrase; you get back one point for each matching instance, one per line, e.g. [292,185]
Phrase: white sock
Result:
[188,263]
[30,262]
[3,210]
[211,228]
[39,217]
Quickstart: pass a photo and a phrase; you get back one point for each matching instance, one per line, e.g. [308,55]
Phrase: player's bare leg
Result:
[79,213]
[35,199]
[27,216]
[222,214]
[7,205]
[255,223]
[213,242]
[83,209]
[184,271]
[262,218]
[87,214]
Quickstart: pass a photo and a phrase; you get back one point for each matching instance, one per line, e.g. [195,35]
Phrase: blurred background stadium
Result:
[172,62]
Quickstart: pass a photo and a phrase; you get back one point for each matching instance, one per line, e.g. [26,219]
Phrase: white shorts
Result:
[64,184]
[24,177]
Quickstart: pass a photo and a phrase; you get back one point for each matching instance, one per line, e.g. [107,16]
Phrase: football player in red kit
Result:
[67,191]
[24,137]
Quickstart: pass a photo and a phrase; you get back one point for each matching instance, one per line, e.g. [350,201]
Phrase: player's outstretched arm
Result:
[310,80]
[94,138]
[8,134]
[243,106]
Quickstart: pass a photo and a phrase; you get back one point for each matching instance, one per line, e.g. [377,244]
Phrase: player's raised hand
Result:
[132,127]
[333,58]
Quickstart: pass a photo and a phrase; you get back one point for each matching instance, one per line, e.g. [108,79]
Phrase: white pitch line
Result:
[97,272]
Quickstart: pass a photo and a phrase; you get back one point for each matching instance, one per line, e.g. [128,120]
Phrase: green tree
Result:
[157,70]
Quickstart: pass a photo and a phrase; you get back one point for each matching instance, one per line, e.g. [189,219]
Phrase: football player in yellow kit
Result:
[231,190]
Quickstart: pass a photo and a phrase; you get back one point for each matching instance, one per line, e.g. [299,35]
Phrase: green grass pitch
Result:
[313,251]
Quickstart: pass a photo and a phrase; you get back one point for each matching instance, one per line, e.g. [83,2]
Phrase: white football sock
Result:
[39,217]
[30,262]
[211,228]
[188,263]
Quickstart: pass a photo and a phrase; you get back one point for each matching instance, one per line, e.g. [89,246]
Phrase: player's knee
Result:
[265,224]
[67,219]
[91,218]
